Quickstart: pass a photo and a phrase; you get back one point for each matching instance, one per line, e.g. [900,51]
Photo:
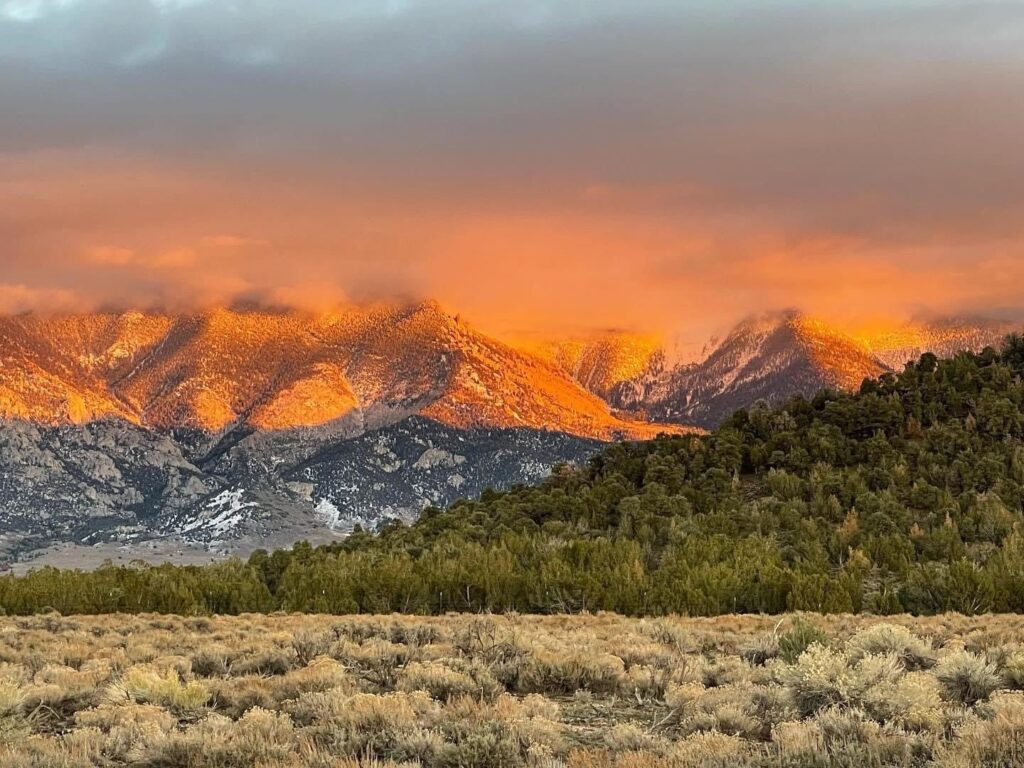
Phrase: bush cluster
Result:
[508,692]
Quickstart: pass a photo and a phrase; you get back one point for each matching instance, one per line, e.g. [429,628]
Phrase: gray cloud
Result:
[363,139]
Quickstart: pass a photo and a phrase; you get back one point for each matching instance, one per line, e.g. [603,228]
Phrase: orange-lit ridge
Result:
[358,368]
[598,361]
[352,369]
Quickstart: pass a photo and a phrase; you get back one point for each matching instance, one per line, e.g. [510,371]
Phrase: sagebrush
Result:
[581,692]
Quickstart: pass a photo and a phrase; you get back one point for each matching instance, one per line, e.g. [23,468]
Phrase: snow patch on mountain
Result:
[223,514]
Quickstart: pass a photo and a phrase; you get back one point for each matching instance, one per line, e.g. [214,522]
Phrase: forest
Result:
[904,497]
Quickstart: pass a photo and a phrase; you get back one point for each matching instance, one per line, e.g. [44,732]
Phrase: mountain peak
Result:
[769,355]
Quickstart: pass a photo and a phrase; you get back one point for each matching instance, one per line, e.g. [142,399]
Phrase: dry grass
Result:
[545,692]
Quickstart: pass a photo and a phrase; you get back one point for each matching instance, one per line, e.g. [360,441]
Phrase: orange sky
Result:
[541,166]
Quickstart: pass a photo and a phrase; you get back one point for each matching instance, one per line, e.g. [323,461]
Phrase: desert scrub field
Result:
[582,691]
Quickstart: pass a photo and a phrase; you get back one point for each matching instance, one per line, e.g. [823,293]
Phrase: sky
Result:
[538,166]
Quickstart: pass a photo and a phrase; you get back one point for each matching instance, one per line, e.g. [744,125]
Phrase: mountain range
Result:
[767,357]
[165,435]
[225,373]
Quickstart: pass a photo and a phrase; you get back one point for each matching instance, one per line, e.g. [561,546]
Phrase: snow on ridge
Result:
[221,514]
[327,513]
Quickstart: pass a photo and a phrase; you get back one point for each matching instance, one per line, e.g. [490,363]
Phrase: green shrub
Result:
[798,638]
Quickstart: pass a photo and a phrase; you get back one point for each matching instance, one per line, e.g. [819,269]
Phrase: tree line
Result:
[906,496]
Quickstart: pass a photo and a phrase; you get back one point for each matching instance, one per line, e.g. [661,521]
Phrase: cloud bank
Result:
[647,164]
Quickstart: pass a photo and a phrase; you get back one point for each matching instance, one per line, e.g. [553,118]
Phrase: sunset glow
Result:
[539,167]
